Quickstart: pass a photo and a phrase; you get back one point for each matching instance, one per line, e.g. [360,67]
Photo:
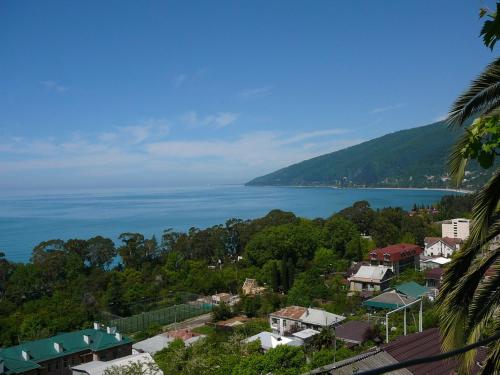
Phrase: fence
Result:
[164,316]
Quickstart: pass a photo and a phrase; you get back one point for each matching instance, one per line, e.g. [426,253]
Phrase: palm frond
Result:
[456,161]
[479,98]
[485,209]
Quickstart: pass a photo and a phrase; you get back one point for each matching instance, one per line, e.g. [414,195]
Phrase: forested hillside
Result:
[407,158]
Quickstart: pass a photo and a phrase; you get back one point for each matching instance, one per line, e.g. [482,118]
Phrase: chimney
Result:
[58,347]
[110,330]
[26,355]
[97,326]
[87,339]
[118,336]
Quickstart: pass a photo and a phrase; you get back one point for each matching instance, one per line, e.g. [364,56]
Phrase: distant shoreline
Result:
[463,191]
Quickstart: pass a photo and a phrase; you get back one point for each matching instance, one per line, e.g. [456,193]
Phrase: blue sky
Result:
[130,94]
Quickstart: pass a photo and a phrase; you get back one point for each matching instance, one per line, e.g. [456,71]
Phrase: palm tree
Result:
[469,300]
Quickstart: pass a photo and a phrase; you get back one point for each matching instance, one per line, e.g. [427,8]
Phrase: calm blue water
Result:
[27,219]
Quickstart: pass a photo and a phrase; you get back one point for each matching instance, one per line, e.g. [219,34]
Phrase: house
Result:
[55,355]
[270,340]
[251,287]
[412,289]
[219,298]
[441,246]
[148,366]
[397,257]
[437,262]
[434,278]
[456,228]
[353,332]
[371,278]
[417,345]
[292,319]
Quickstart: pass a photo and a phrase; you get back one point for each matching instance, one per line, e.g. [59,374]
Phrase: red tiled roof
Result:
[396,252]
[426,344]
[434,273]
[291,312]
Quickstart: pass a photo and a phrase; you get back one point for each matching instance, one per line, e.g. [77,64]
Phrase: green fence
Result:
[167,315]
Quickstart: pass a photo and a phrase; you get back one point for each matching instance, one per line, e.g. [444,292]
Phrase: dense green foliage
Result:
[69,284]
[407,158]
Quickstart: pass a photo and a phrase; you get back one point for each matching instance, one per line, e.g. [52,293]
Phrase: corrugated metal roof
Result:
[366,361]
[389,300]
[412,289]
[44,349]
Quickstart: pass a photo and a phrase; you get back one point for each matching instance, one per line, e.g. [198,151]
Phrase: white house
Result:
[456,228]
[371,278]
[148,366]
[441,246]
[292,319]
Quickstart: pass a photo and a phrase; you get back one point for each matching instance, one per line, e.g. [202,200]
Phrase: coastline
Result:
[462,191]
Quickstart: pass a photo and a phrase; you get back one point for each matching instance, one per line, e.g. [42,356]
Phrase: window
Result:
[49,367]
[284,323]
[66,362]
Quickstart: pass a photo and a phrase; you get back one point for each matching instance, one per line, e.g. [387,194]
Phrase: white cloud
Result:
[387,108]
[259,91]
[54,86]
[147,152]
[441,117]
[218,120]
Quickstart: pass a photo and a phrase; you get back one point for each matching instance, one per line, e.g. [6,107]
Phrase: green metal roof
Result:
[412,289]
[388,300]
[43,350]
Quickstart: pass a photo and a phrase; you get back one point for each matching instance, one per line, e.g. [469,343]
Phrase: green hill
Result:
[407,158]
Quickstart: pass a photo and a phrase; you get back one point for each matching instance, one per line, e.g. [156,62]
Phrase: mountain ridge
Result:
[406,158]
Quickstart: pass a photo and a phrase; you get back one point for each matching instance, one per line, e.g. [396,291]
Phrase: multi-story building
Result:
[456,228]
[55,355]
[397,257]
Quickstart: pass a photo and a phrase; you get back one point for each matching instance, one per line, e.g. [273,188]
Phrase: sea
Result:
[26,219]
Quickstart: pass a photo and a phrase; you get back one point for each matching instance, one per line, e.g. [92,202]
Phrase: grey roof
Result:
[373,274]
[306,333]
[153,344]
[366,361]
[321,318]
[99,367]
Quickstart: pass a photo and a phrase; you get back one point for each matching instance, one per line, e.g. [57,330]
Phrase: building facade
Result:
[456,228]
[371,278]
[397,257]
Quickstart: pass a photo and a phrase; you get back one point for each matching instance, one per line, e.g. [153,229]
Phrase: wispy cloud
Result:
[217,121]
[181,79]
[53,86]
[387,108]
[141,151]
[441,117]
[255,92]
